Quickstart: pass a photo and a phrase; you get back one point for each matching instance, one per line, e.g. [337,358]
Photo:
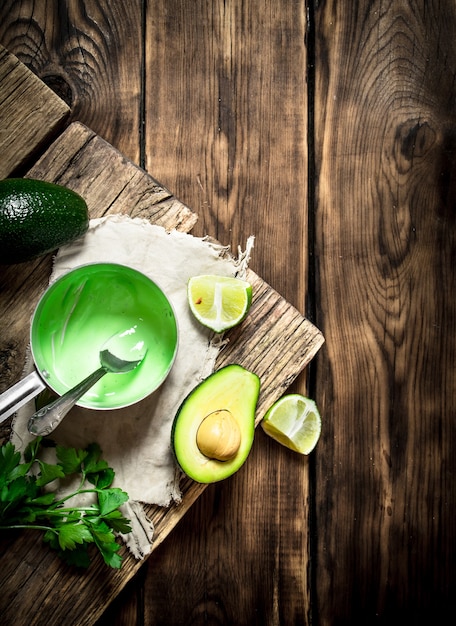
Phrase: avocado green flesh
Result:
[36,217]
[232,388]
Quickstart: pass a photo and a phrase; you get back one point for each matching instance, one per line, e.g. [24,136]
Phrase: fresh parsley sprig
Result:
[27,500]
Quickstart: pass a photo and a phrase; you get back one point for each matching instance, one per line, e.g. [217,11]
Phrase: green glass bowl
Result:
[81,310]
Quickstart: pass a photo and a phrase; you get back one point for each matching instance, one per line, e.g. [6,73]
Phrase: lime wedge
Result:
[294,421]
[219,302]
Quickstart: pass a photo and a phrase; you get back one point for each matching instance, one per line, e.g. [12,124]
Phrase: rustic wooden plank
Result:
[108,181]
[226,130]
[226,102]
[30,114]
[91,55]
[343,35]
[273,329]
[385,224]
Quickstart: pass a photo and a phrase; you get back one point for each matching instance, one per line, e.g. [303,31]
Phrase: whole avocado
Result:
[36,217]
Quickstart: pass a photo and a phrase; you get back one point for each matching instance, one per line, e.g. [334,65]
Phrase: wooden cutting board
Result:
[275,341]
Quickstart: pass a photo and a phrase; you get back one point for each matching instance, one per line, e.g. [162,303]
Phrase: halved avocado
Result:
[213,429]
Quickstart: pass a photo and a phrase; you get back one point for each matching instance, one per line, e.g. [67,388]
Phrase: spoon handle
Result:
[46,419]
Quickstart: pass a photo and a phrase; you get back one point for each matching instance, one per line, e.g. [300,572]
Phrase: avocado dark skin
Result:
[37,217]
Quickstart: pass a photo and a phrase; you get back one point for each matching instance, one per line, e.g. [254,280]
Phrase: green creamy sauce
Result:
[85,308]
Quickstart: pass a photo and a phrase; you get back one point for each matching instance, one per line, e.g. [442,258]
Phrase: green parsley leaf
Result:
[67,528]
[32,449]
[72,533]
[101,479]
[101,532]
[108,549]
[118,522]
[18,489]
[9,463]
[79,557]
[93,462]
[48,473]
[111,499]
[70,459]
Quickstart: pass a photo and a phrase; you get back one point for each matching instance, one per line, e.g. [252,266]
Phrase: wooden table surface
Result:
[328,130]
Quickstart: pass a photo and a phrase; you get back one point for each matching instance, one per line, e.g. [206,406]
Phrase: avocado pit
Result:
[219,435]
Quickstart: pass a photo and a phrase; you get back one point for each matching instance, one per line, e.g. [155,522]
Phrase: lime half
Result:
[294,421]
[219,302]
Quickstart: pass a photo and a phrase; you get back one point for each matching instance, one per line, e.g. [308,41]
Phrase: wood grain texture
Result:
[91,54]
[379,90]
[281,343]
[226,93]
[22,93]
[385,236]
[225,127]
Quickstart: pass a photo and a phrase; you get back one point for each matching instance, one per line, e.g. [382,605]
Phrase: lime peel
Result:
[219,302]
[294,421]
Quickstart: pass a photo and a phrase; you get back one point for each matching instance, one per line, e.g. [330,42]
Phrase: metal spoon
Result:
[46,419]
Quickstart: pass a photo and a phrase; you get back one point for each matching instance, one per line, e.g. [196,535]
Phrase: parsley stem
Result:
[72,495]
[31,526]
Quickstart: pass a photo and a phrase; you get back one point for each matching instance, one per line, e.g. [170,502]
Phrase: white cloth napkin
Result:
[136,440]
